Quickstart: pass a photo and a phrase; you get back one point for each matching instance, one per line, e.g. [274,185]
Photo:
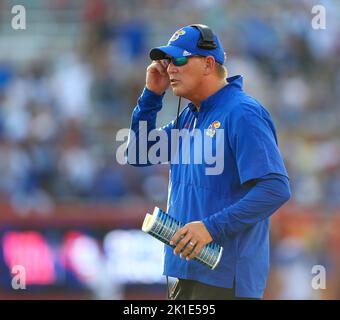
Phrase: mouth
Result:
[173,81]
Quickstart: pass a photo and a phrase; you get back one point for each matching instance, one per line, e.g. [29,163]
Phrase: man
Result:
[233,207]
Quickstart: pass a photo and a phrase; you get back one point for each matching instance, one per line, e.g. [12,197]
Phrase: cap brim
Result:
[160,53]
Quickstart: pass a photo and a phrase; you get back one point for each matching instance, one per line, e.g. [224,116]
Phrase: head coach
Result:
[231,208]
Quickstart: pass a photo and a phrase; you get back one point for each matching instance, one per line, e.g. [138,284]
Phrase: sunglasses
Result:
[181,61]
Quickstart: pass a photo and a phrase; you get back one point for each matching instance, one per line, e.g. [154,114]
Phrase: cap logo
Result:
[176,35]
[186,53]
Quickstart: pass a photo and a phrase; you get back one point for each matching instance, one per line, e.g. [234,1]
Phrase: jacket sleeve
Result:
[268,195]
[253,141]
[144,136]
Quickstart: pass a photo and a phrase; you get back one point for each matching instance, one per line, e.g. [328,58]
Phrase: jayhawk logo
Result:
[212,128]
[176,35]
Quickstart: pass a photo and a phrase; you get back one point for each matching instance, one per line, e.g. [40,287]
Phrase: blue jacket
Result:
[235,213]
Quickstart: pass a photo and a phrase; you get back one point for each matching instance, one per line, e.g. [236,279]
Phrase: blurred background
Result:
[71,215]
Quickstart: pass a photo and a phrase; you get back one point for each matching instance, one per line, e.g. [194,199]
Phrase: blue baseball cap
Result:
[183,43]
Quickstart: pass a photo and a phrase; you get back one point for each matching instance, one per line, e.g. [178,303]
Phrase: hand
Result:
[157,78]
[194,237]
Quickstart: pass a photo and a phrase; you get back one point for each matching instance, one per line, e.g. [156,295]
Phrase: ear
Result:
[209,66]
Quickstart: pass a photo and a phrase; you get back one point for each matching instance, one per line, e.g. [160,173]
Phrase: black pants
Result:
[193,290]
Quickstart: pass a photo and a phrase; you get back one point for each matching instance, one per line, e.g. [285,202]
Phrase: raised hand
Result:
[157,78]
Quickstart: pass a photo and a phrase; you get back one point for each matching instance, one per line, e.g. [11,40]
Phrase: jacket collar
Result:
[234,83]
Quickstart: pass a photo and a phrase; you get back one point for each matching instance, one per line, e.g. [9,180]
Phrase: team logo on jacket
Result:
[211,131]
[176,35]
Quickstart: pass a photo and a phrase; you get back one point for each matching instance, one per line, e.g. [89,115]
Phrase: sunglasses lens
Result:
[181,61]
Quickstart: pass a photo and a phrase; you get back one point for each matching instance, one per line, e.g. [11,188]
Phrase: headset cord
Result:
[176,125]
[167,286]
[178,108]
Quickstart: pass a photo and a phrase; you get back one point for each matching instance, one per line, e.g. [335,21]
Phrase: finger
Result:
[165,63]
[189,247]
[178,235]
[195,252]
[161,67]
[155,67]
[181,244]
